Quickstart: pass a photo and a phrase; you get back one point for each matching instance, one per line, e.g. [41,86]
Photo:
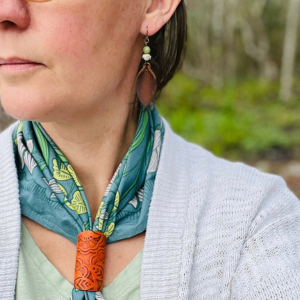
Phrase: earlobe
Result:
[153,21]
[159,16]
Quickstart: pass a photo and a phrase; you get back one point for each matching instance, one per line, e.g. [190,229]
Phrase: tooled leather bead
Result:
[90,259]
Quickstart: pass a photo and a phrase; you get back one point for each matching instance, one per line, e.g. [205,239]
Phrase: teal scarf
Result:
[51,193]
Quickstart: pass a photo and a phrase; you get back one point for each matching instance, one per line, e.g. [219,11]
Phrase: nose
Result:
[13,13]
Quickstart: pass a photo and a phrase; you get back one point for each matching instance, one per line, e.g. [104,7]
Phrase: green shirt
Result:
[37,278]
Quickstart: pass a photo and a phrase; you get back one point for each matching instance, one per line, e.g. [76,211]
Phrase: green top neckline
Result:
[62,286]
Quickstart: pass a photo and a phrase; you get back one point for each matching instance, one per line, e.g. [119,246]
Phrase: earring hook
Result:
[147,38]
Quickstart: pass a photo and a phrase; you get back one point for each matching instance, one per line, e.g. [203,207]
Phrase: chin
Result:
[24,106]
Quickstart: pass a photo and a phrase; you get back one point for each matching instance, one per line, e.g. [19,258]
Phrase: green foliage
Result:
[245,121]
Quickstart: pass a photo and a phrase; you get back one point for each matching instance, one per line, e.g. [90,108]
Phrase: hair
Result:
[168,47]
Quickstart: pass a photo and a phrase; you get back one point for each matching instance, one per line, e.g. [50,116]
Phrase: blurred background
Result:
[238,94]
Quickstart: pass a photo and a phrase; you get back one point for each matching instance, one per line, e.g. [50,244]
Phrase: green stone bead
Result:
[146,49]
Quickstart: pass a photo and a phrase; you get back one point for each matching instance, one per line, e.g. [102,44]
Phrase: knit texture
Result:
[10,222]
[216,229]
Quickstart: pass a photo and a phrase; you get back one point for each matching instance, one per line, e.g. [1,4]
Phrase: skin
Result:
[90,51]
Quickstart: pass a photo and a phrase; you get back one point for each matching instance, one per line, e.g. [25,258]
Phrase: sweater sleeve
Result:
[269,264]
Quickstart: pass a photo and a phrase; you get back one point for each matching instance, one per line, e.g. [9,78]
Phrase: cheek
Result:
[86,51]
[71,46]
[79,49]
[93,35]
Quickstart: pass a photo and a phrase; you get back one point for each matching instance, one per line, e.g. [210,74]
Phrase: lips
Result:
[16,60]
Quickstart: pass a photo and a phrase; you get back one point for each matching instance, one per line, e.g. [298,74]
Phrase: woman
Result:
[171,220]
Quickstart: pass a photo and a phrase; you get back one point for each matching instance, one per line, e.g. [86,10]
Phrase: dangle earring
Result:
[146,84]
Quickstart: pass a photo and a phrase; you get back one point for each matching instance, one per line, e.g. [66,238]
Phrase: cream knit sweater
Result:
[216,229]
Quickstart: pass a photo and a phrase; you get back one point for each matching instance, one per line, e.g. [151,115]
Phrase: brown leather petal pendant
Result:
[146,84]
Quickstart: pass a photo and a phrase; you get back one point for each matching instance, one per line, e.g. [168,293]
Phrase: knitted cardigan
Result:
[216,229]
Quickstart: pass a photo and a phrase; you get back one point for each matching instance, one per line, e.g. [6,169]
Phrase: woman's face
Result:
[89,50]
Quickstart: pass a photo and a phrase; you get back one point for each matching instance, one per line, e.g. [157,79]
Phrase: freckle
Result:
[94,48]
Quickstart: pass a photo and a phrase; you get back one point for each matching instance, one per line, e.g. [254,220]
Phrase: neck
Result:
[95,145]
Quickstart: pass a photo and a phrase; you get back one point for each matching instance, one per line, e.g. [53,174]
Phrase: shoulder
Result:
[225,192]
[224,177]
[7,162]
[8,172]
[247,228]
[6,137]
[244,190]
[10,214]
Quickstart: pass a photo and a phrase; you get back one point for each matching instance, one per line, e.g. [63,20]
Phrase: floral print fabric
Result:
[52,195]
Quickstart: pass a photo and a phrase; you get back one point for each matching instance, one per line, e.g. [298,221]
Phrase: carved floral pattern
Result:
[90,259]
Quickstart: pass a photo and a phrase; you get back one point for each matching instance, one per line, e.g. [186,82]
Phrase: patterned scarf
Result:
[51,193]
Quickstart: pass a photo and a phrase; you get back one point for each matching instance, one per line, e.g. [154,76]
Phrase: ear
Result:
[158,13]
